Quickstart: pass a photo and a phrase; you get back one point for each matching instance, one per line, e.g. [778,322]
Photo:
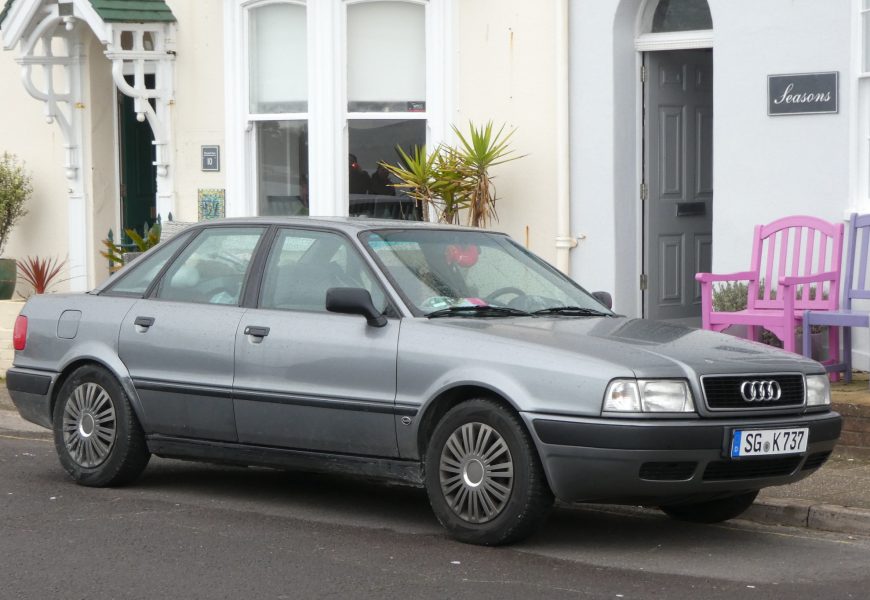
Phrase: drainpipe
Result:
[564,240]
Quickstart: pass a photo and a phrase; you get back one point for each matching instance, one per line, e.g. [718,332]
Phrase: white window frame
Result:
[327,114]
[860,142]
[672,40]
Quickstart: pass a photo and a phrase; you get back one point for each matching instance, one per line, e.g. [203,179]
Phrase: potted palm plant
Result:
[15,189]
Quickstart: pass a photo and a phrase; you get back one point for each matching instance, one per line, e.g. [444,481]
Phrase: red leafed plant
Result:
[41,273]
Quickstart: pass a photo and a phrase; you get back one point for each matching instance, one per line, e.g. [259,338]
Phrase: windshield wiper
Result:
[573,311]
[477,311]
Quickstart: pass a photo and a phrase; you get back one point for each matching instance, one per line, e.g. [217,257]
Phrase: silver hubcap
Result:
[476,472]
[89,425]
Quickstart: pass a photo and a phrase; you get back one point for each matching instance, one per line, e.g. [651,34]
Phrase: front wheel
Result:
[483,476]
[711,511]
[98,439]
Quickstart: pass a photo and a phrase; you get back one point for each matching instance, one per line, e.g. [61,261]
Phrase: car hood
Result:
[649,348]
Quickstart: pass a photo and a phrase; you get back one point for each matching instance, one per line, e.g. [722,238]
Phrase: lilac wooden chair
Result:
[846,317]
[796,264]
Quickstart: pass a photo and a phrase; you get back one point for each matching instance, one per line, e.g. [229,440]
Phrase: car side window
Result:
[212,269]
[144,269]
[303,265]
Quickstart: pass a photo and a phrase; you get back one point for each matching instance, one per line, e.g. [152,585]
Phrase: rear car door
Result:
[310,379]
[178,342]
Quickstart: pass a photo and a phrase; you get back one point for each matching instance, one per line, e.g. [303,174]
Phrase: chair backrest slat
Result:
[795,252]
[771,252]
[755,266]
[808,262]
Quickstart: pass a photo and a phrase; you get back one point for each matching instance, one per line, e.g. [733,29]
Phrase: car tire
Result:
[98,438]
[711,511]
[483,475]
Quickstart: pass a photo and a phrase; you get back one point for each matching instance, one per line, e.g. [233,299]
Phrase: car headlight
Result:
[648,396]
[818,390]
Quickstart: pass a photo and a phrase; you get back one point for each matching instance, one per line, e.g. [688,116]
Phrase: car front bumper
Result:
[656,461]
[30,391]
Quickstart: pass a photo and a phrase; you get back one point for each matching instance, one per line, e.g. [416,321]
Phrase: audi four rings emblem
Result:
[760,391]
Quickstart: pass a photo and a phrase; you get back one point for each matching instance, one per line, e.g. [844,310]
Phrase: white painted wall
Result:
[768,167]
[604,87]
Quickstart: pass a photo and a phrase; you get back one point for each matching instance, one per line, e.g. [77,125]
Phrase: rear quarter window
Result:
[143,271]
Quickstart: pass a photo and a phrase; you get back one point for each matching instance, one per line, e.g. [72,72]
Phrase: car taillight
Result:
[19,334]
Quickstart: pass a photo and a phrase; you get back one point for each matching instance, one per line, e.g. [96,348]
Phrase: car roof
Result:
[347,224]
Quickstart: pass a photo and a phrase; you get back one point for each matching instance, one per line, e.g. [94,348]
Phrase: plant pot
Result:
[818,344]
[8,277]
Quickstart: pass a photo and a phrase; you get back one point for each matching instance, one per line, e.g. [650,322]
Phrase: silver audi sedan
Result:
[445,357]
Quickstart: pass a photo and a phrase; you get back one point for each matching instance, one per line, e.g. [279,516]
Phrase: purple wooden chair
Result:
[796,264]
[859,226]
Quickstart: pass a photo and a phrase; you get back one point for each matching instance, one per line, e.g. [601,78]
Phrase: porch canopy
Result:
[138,37]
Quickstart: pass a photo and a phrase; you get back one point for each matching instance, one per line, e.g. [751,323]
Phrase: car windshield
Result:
[474,273]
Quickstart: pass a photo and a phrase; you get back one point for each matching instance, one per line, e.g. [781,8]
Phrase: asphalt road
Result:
[190,531]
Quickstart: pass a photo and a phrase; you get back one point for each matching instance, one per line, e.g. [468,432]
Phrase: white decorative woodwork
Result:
[49,36]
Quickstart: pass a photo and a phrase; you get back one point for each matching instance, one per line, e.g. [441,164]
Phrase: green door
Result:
[138,173]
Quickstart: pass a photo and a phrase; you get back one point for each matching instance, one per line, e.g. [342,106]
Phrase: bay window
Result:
[386,101]
[324,91]
[278,105]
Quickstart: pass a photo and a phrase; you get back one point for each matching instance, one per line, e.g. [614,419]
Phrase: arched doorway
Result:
[675,39]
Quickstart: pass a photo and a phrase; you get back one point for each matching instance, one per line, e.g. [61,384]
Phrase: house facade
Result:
[286,98]
[655,133]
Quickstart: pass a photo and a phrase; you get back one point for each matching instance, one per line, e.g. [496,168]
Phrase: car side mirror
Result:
[604,298]
[354,301]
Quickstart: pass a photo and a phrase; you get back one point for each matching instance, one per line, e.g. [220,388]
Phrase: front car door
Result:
[178,343]
[306,378]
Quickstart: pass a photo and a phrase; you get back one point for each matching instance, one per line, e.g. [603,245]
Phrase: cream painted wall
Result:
[24,132]
[506,71]
[102,182]
[198,117]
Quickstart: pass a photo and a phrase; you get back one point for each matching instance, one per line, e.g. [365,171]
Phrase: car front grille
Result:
[722,392]
[667,471]
[749,469]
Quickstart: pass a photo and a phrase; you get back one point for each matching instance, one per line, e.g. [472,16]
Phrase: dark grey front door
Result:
[678,173]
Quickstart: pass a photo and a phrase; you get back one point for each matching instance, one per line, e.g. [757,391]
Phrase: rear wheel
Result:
[711,511]
[98,439]
[483,476]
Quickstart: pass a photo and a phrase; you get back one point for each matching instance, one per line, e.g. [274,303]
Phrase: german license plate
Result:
[769,442]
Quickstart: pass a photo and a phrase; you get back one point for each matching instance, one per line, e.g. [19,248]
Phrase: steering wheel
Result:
[490,298]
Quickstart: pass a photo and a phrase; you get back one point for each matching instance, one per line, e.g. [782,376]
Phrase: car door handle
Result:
[145,322]
[256,331]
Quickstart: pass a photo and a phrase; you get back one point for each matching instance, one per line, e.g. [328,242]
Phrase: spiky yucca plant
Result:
[481,150]
[451,180]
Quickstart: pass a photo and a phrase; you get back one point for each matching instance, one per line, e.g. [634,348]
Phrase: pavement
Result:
[835,498]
